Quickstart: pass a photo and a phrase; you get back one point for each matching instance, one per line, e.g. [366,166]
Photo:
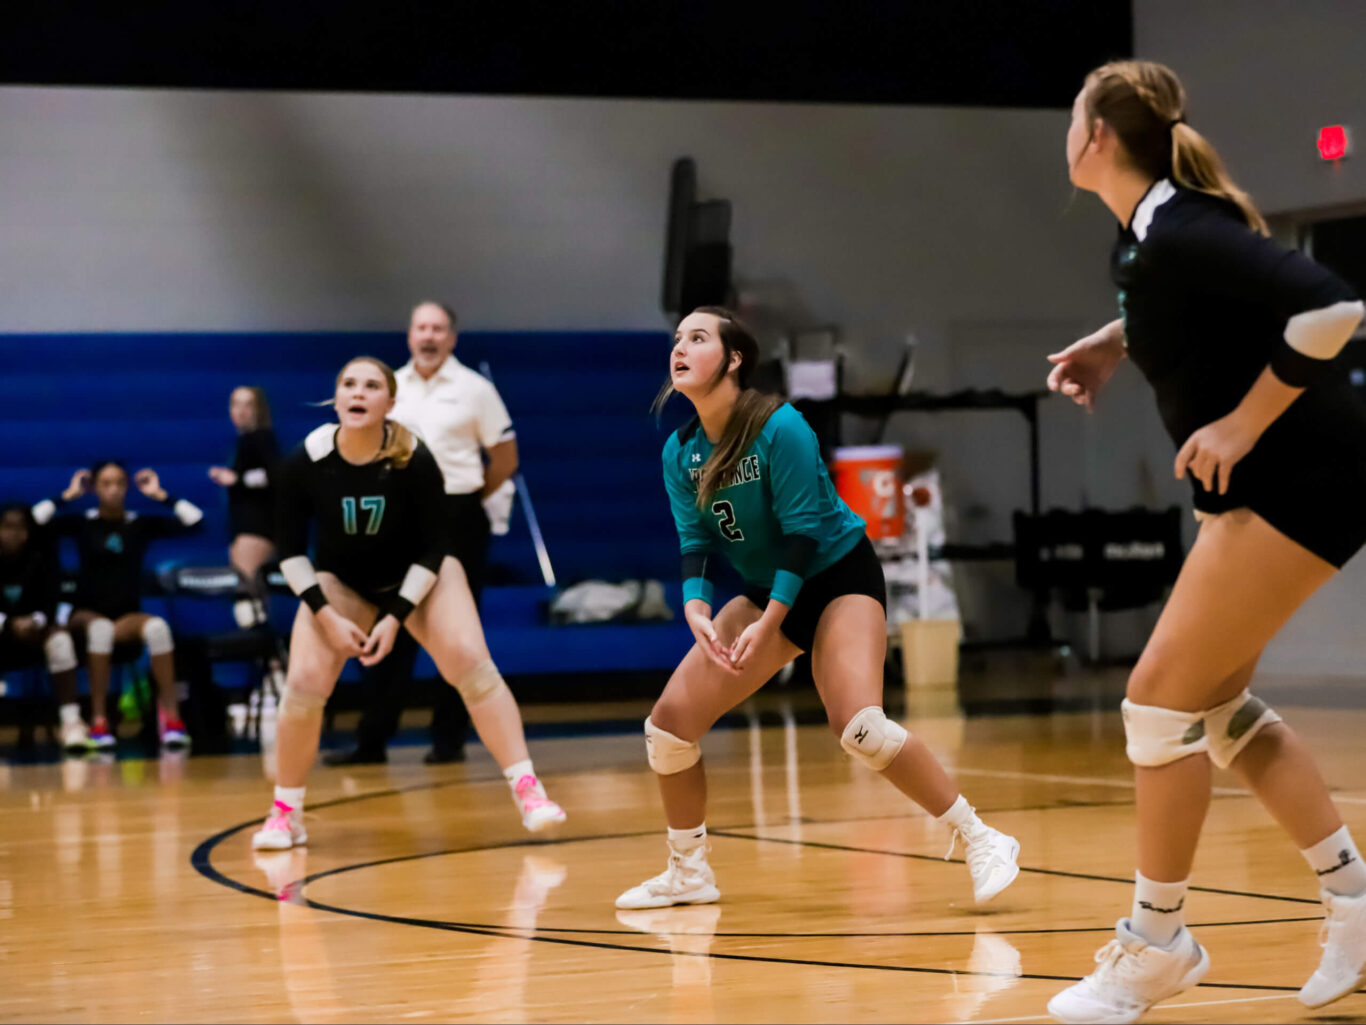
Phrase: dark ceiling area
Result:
[997,53]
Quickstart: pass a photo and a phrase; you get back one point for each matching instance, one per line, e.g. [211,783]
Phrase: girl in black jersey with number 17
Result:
[1237,337]
[375,496]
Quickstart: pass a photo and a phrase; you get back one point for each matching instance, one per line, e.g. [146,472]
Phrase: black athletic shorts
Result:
[859,572]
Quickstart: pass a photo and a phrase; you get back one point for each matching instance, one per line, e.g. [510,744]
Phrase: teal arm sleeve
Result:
[693,535]
[794,467]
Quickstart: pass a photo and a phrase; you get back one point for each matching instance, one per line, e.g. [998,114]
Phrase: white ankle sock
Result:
[69,713]
[517,770]
[1337,862]
[960,815]
[685,840]
[1157,914]
[291,797]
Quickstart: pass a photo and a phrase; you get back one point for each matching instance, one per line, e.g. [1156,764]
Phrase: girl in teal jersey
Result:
[745,478]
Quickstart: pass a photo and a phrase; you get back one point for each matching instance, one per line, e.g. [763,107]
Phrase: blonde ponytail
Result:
[1145,104]
[1196,165]
[398,446]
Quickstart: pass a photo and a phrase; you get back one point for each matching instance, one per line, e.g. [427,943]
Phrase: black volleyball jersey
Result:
[1205,301]
[28,585]
[112,552]
[255,462]
[373,521]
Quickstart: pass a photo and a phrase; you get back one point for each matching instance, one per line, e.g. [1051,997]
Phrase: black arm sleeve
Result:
[694,565]
[293,506]
[161,525]
[798,552]
[429,498]
[1228,260]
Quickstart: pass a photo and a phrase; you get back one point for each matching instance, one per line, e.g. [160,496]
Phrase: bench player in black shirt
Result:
[250,483]
[112,543]
[1237,337]
[375,496]
[28,616]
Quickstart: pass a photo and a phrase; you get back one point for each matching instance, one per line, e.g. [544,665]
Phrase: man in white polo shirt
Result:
[459,415]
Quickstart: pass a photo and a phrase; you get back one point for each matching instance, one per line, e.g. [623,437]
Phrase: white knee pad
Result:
[296,704]
[156,633]
[480,683]
[60,651]
[99,637]
[1231,726]
[1159,736]
[872,738]
[669,754]
[247,612]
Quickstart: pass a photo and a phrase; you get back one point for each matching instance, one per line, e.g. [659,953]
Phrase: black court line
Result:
[201,861]
[957,861]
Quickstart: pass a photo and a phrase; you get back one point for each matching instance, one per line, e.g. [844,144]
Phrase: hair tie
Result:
[1179,120]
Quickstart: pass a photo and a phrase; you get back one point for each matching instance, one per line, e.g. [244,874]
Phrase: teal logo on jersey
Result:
[13,592]
[114,542]
[373,505]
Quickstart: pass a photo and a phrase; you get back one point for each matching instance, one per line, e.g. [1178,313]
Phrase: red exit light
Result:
[1334,143]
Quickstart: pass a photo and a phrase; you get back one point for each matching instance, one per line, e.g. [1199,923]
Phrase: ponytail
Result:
[1196,165]
[398,446]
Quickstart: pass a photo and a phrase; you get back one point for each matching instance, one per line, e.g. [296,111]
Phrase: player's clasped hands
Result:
[381,641]
[704,630]
[343,636]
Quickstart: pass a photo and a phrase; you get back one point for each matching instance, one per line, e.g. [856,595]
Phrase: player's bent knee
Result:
[872,738]
[669,754]
[156,634]
[301,706]
[99,637]
[480,683]
[60,652]
[1231,726]
[1159,736]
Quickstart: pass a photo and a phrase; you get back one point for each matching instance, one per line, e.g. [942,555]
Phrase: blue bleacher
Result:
[580,401]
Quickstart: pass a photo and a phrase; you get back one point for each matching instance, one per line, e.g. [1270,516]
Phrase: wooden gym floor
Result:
[128,890]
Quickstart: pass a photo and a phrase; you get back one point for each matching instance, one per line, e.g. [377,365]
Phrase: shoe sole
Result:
[1014,863]
[539,825]
[257,845]
[708,896]
[1344,992]
[1190,980]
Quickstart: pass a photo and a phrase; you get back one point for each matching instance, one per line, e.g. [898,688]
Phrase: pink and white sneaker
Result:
[538,811]
[284,829]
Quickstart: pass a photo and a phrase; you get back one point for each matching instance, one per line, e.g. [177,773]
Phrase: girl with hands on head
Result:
[112,545]
[745,477]
[372,495]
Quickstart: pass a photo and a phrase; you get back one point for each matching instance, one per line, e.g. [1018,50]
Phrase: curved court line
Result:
[201,861]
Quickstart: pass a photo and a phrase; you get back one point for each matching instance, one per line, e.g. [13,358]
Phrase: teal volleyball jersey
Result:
[780,489]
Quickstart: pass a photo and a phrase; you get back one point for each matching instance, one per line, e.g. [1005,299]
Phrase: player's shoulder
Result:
[784,421]
[681,438]
[320,443]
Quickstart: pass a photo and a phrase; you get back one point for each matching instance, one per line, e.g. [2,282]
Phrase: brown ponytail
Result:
[1145,105]
[399,442]
[751,411]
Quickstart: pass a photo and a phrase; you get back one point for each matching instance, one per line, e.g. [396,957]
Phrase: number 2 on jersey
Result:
[728,528]
[372,504]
